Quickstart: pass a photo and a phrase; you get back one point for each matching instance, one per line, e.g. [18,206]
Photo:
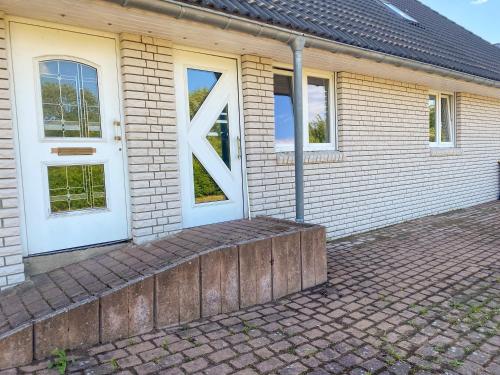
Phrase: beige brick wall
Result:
[270,186]
[149,104]
[386,172]
[11,260]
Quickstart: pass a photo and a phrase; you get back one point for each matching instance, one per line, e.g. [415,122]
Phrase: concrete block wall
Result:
[11,260]
[211,282]
[384,171]
[151,134]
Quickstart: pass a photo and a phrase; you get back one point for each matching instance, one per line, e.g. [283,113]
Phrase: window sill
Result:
[310,157]
[445,151]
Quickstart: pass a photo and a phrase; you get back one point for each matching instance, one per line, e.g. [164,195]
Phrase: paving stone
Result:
[244,360]
[219,370]
[268,365]
[222,355]
[195,365]
[198,351]
[388,308]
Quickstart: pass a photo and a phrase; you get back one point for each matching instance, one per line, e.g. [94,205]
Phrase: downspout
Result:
[224,21]
[297,46]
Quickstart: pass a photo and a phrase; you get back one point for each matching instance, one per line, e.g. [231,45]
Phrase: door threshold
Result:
[46,262]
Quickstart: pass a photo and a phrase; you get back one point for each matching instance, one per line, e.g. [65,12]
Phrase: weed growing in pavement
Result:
[114,364]
[455,363]
[164,344]
[247,327]
[60,362]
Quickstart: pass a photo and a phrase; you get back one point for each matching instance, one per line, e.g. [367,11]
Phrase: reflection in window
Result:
[317,96]
[441,122]
[218,137]
[70,99]
[445,119]
[205,188]
[283,110]
[200,83]
[432,118]
[76,187]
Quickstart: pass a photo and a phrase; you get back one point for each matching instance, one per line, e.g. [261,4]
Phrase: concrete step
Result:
[196,273]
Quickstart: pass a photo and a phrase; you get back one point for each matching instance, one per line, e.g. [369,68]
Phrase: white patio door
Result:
[208,122]
[68,117]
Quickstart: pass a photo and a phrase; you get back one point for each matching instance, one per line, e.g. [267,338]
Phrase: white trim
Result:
[198,214]
[452,115]
[15,127]
[246,196]
[23,232]
[60,26]
[285,70]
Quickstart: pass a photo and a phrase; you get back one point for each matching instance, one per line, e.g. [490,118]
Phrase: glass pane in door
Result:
[70,99]
[76,187]
[218,137]
[205,188]
[200,83]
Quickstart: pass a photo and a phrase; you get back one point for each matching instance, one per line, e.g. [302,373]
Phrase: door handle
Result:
[117,127]
[238,144]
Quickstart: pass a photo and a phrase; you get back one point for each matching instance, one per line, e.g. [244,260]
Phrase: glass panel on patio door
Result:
[200,83]
[218,137]
[206,189]
[208,122]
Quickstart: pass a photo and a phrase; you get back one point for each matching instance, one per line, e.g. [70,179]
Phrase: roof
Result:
[371,25]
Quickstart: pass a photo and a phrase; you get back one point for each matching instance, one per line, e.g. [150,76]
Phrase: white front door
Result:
[208,121]
[68,116]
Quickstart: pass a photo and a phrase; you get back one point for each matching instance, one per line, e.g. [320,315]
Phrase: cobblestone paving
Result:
[417,298]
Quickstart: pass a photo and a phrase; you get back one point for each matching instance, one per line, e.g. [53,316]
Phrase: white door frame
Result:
[246,196]
[15,124]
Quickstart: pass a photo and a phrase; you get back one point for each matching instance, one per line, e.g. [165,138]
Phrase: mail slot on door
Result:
[73,151]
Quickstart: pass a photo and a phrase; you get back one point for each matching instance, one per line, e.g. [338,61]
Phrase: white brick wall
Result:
[11,260]
[149,103]
[386,173]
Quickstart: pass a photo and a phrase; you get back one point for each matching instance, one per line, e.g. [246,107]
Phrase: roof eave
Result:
[224,21]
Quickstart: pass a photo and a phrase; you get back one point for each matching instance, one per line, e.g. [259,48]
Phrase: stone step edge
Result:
[219,280]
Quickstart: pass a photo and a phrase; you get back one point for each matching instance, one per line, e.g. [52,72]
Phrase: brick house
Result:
[134,119]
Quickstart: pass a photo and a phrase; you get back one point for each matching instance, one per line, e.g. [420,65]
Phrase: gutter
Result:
[239,24]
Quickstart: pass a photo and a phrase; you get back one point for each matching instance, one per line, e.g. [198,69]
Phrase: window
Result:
[70,99]
[319,111]
[441,120]
[398,11]
[283,110]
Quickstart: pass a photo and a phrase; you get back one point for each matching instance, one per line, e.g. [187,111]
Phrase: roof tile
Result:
[370,24]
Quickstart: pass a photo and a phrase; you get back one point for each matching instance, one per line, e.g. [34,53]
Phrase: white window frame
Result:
[332,107]
[439,95]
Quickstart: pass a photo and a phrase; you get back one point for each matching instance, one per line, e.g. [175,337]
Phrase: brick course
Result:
[150,125]
[384,171]
[11,262]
